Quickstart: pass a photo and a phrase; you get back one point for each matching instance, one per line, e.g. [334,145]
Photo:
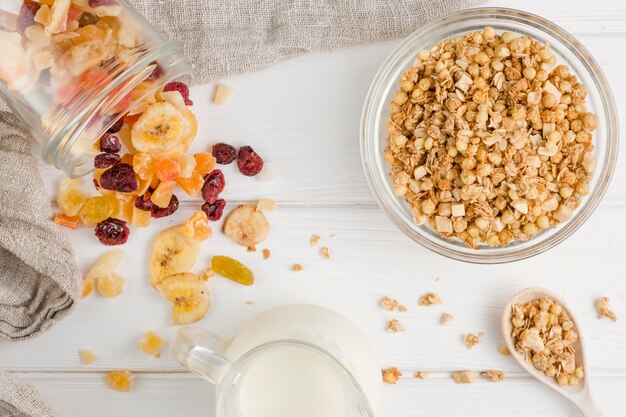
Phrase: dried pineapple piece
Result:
[120,380]
[151,343]
[222,93]
[111,285]
[87,357]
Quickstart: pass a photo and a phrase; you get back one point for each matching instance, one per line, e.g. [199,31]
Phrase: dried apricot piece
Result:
[233,270]
[166,169]
[120,380]
[151,343]
[205,162]
[191,185]
[197,227]
[111,285]
[96,209]
[163,193]
[68,221]
[71,197]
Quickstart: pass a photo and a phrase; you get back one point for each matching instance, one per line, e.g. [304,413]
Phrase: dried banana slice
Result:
[164,131]
[172,252]
[246,226]
[188,294]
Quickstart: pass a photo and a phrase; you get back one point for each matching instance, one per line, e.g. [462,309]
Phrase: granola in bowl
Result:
[489,139]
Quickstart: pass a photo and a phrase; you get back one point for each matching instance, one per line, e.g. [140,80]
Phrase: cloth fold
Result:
[39,279]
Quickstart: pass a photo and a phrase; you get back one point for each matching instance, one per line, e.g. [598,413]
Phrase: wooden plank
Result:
[166,395]
[369,258]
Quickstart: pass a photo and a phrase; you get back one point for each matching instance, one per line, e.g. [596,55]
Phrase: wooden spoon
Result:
[579,394]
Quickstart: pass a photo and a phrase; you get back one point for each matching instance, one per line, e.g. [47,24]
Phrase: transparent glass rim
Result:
[376,109]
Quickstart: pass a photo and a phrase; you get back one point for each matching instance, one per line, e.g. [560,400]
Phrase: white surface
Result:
[303,115]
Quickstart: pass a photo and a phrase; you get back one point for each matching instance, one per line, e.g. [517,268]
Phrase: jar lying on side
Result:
[70,69]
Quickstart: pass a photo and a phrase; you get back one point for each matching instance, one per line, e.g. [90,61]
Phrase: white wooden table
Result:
[303,115]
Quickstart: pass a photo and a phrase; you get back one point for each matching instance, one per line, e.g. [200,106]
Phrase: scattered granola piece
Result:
[87,357]
[504,350]
[421,375]
[602,305]
[389,304]
[120,380]
[222,94]
[445,318]
[394,326]
[249,302]
[471,340]
[464,377]
[544,333]
[429,299]
[325,253]
[207,273]
[266,253]
[402,309]
[315,239]
[493,375]
[296,267]
[391,375]
[151,343]
[266,204]
[251,249]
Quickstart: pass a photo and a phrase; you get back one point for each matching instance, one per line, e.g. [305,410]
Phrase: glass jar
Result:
[72,68]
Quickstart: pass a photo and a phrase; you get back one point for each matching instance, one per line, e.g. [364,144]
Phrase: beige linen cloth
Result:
[39,280]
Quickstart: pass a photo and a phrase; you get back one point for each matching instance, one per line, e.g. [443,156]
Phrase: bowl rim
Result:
[591,202]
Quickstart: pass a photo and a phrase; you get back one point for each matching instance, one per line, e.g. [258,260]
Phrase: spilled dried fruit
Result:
[172,252]
[233,270]
[197,227]
[112,232]
[249,162]
[87,357]
[111,285]
[189,296]
[246,225]
[214,184]
[224,153]
[214,211]
[71,196]
[151,343]
[120,380]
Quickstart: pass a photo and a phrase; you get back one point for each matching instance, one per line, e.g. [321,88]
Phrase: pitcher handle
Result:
[195,348]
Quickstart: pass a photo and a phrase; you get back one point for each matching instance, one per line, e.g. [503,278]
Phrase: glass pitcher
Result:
[294,360]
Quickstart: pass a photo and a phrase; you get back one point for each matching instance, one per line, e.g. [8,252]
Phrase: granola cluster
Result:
[545,334]
[489,141]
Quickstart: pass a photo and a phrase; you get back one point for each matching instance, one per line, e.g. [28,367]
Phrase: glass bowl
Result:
[567,50]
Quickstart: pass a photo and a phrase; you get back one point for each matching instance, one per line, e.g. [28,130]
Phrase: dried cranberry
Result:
[105,160]
[112,232]
[143,202]
[27,14]
[110,143]
[120,177]
[224,153]
[181,88]
[213,185]
[117,126]
[156,73]
[249,162]
[162,212]
[215,210]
